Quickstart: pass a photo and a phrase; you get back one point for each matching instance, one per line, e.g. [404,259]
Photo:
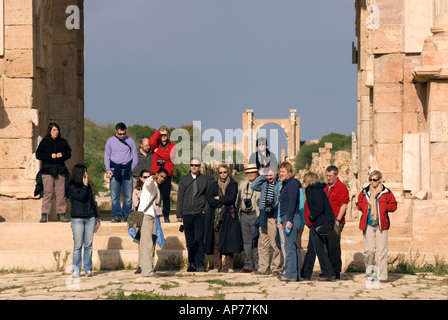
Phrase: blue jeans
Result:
[292,253]
[82,236]
[116,187]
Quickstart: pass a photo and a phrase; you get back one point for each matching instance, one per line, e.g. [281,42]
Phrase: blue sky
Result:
[172,62]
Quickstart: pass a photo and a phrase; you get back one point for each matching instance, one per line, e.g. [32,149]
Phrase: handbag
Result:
[324,228]
[135,219]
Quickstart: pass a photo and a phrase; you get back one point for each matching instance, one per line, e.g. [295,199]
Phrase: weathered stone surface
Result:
[19,37]
[389,68]
[18,93]
[387,98]
[388,127]
[18,12]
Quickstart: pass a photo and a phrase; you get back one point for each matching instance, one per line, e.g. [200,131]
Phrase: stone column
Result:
[248,134]
[292,140]
[434,71]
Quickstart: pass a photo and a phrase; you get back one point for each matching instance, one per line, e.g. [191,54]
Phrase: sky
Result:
[172,62]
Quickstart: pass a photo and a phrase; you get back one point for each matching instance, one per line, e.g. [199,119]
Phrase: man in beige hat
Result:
[247,204]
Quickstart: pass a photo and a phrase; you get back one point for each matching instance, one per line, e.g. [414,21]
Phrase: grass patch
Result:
[225,283]
[121,295]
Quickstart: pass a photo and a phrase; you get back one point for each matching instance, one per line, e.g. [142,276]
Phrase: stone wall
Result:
[41,80]
[403,110]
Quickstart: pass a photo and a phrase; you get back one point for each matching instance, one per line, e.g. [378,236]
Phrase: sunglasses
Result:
[145,177]
[222,172]
[195,165]
[121,134]
[374,180]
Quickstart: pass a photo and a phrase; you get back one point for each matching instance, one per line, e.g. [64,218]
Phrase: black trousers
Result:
[194,228]
[165,191]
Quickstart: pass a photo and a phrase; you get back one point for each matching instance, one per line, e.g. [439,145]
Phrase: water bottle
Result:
[97,226]
[287,230]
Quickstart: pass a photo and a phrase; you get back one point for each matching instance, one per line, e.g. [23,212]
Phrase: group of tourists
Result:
[264,216]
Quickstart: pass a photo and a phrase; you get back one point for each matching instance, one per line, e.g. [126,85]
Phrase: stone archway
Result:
[251,126]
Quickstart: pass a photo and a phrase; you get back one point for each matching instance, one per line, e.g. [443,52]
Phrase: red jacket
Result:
[306,215]
[338,195]
[386,204]
[160,152]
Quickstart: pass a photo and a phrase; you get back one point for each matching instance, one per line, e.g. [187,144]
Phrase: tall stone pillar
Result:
[294,141]
[41,80]
[434,71]
[248,135]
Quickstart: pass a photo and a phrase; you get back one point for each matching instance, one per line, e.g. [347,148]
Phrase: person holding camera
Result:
[247,206]
[163,152]
[191,209]
[268,185]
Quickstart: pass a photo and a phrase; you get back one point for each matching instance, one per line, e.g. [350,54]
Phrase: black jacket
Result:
[83,203]
[44,151]
[319,205]
[189,203]
[231,238]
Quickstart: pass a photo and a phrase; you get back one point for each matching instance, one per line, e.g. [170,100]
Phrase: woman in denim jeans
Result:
[83,216]
[292,221]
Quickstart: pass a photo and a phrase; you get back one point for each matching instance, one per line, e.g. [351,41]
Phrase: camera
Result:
[181,228]
[160,162]
[269,207]
[248,204]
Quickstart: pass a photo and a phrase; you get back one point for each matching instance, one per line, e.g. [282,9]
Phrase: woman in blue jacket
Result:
[321,218]
[83,216]
[291,200]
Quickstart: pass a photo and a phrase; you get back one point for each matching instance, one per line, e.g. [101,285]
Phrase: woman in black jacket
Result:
[83,215]
[322,218]
[53,150]
[223,234]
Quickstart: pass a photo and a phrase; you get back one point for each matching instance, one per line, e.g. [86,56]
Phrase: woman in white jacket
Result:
[150,196]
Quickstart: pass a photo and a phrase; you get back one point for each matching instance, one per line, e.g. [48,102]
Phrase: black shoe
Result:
[138,271]
[43,218]
[201,269]
[191,268]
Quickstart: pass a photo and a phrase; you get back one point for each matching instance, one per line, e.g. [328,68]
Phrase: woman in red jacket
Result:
[376,201]
[163,153]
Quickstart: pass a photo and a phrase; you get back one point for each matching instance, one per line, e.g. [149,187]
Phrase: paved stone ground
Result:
[222,286]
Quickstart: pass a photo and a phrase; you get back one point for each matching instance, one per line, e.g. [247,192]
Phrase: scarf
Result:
[219,213]
[372,201]
[223,185]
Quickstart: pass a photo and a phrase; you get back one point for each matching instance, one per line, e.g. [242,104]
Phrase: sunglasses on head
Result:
[195,165]
[375,180]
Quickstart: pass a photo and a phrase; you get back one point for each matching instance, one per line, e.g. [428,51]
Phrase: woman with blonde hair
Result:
[320,219]
[291,202]
[375,202]
[223,234]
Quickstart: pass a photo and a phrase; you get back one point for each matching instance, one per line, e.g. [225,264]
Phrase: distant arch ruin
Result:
[290,125]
